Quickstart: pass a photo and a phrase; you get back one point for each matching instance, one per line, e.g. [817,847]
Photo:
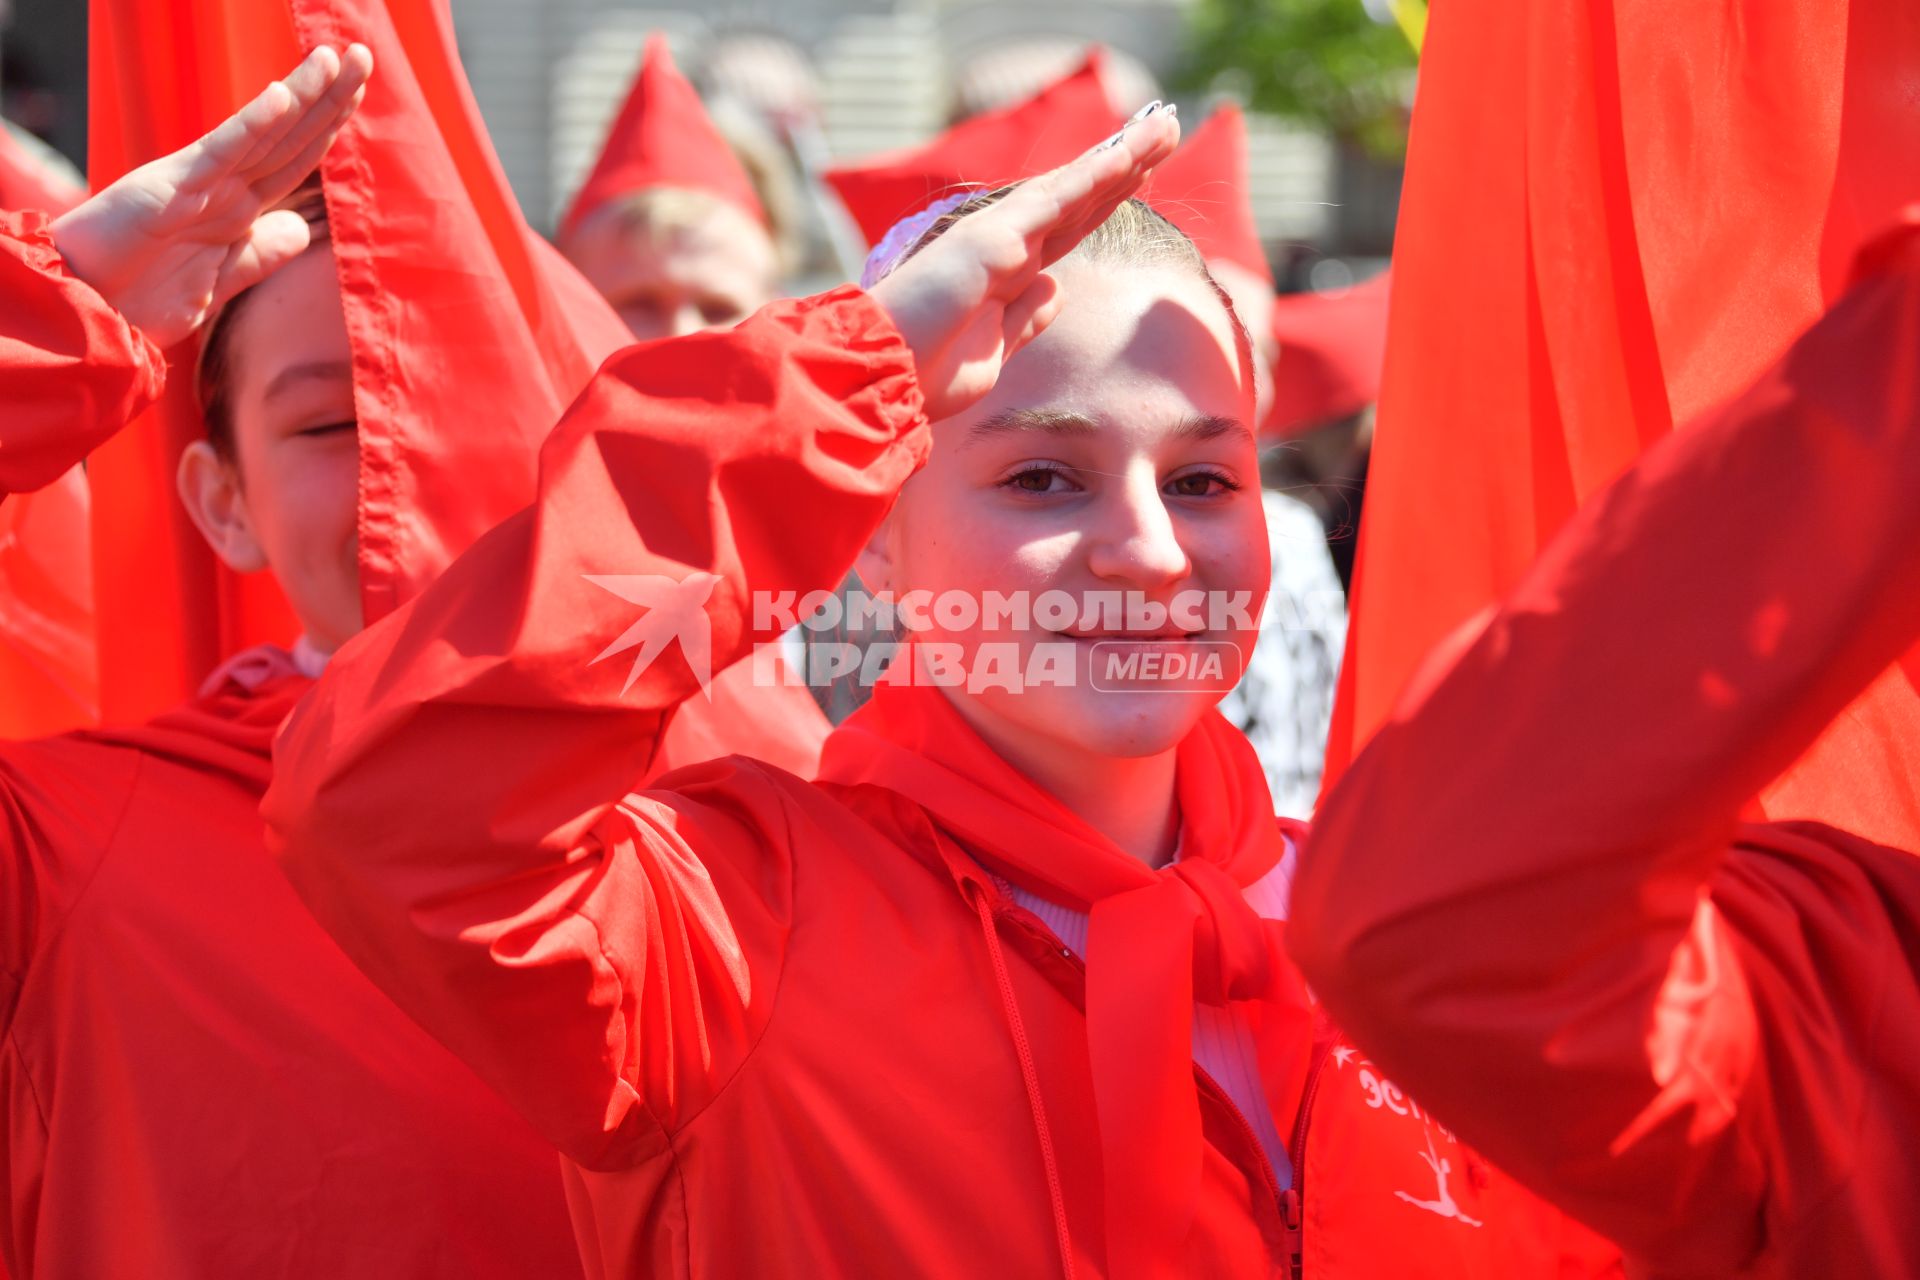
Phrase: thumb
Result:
[275,239]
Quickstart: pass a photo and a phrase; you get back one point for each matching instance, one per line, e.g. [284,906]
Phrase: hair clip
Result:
[905,234]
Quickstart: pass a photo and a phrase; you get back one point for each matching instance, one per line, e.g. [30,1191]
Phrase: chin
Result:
[1120,723]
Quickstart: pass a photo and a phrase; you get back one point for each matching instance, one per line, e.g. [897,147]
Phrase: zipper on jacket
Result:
[1246,1131]
[1288,1201]
[1296,1233]
[1294,1210]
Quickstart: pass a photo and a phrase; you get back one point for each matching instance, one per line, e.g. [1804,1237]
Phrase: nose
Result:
[1135,540]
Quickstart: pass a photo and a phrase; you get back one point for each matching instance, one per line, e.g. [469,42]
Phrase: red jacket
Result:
[777,1027]
[1532,898]
[194,1080]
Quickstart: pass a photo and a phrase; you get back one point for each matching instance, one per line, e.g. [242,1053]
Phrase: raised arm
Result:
[453,799]
[72,370]
[1527,899]
[92,296]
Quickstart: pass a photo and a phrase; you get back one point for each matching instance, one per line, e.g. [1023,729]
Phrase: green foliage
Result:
[1325,62]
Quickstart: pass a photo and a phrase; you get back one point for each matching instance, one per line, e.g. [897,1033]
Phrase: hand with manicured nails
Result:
[972,298]
[175,238]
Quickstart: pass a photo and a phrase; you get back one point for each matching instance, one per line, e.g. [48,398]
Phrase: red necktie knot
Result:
[1232,959]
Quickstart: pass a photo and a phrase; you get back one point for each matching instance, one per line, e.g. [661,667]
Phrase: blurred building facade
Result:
[870,75]
[43,72]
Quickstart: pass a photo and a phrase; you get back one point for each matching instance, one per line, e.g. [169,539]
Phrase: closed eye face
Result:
[310,400]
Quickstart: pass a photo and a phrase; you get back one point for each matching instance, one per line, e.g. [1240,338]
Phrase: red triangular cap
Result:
[663,137]
[1202,189]
[1028,138]
[1333,354]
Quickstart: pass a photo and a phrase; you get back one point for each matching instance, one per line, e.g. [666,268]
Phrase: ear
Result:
[210,488]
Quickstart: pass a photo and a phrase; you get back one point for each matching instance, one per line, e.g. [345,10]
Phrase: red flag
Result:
[1333,350]
[470,335]
[1028,138]
[49,678]
[663,137]
[1616,214]
[160,74]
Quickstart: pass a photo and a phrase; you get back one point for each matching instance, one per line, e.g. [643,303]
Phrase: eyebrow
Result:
[1207,426]
[1065,422]
[314,371]
[1053,422]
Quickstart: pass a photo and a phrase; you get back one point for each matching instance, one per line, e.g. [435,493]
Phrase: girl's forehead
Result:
[1130,344]
[295,321]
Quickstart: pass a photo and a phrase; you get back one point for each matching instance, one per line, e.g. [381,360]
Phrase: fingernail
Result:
[1151,109]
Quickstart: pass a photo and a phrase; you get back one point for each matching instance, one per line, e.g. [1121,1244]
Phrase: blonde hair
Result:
[1134,235]
[660,212]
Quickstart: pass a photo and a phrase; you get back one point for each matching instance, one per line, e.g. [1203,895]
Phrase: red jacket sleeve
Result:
[72,372]
[1530,899]
[452,799]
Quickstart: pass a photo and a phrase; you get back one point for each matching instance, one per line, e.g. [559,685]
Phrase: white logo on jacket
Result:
[1443,1204]
[1384,1095]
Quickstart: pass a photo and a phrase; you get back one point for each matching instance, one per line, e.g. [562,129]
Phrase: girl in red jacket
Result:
[1004,992]
[196,1081]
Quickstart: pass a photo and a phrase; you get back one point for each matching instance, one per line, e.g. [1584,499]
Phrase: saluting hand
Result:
[972,298]
[173,239]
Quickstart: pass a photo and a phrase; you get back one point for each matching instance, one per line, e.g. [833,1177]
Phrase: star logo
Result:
[1342,1055]
[675,610]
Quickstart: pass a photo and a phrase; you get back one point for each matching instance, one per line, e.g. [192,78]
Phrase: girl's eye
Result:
[331,428]
[1037,480]
[1201,484]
